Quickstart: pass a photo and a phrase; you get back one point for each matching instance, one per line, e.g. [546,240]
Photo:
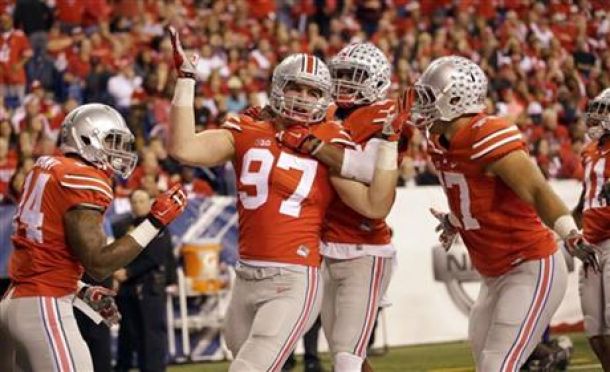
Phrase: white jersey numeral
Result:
[592,191]
[260,179]
[29,209]
[450,179]
[292,205]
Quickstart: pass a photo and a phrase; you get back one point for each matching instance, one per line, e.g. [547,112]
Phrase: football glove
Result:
[185,67]
[299,139]
[578,247]
[259,113]
[447,228]
[391,126]
[167,206]
[101,300]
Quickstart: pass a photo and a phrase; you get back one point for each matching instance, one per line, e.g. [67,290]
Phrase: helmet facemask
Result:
[597,118]
[300,70]
[361,75]
[424,112]
[351,85]
[297,108]
[113,149]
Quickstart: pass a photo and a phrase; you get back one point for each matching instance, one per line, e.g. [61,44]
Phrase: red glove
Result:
[391,127]
[101,301]
[185,67]
[167,206]
[299,139]
[253,112]
[577,246]
[259,113]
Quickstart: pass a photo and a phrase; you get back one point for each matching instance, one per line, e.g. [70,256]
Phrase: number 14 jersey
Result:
[282,195]
[499,229]
[42,263]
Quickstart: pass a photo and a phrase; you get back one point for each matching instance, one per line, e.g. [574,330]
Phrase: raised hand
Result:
[185,67]
[167,207]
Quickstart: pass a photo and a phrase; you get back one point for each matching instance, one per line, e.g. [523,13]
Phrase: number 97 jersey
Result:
[499,229]
[282,195]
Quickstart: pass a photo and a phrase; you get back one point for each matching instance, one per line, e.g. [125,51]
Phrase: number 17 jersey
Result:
[282,195]
[499,229]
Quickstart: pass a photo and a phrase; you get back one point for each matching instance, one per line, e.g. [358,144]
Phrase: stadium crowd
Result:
[544,60]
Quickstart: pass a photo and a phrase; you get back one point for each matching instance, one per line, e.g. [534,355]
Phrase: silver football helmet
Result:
[303,69]
[361,74]
[99,135]
[597,115]
[449,88]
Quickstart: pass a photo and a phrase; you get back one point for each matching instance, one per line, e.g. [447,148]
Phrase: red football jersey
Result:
[42,263]
[282,195]
[343,224]
[499,229]
[596,213]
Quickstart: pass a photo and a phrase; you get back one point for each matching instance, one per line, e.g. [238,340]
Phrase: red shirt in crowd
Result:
[14,49]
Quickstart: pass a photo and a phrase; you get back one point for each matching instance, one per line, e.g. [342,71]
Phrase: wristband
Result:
[564,225]
[184,93]
[387,156]
[144,233]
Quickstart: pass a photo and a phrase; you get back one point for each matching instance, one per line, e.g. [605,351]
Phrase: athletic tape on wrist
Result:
[564,225]
[144,233]
[184,93]
[387,156]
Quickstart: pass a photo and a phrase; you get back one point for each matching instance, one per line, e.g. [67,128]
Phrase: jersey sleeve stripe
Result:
[86,187]
[488,149]
[76,178]
[343,141]
[493,135]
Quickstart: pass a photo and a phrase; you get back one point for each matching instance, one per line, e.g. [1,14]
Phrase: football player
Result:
[58,234]
[499,203]
[283,194]
[357,250]
[593,212]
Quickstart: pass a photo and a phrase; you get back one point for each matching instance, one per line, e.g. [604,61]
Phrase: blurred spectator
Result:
[148,175]
[35,18]
[539,57]
[8,166]
[14,53]
[236,100]
[122,85]
[195,187]
[141,295]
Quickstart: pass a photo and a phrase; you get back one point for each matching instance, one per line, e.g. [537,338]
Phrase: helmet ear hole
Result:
[85,140]
[454,101]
